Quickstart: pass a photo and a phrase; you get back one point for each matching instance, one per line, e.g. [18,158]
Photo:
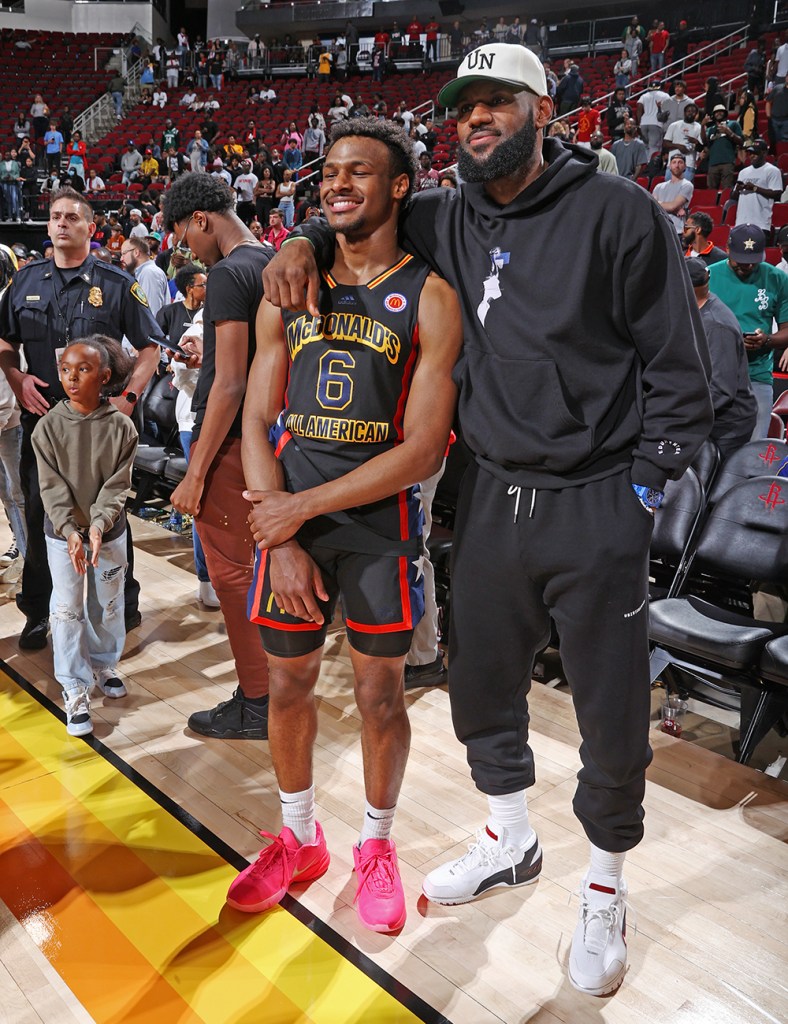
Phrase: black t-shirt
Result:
[174,319]
[235,290]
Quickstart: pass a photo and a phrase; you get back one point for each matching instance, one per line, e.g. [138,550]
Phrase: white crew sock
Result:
[605,865]
[510,812]
[377,823]
[298,814]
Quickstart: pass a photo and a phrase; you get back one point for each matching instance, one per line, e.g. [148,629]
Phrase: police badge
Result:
[95,298]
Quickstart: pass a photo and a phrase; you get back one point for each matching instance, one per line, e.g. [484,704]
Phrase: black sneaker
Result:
[9,556]
[34,635]
[426,675]
[234,719]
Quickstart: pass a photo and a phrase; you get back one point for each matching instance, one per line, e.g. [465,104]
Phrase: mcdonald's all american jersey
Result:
[350,373]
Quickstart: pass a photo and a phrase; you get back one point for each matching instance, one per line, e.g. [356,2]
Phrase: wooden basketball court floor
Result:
[115,855]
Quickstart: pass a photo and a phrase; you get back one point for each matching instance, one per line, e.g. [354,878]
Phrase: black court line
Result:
[415,1004]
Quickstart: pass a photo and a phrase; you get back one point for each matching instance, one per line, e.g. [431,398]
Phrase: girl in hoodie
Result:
[85,521]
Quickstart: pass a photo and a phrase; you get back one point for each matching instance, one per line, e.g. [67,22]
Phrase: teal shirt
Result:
[755,303]
[722,150]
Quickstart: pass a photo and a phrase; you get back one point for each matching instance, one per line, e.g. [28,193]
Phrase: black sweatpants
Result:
[580,557]
[33,598]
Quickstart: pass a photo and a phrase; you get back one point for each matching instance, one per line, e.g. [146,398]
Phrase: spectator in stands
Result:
[378,64]
[170,136]
[188,99]
[21,127]
[10,177]
[448,179]
[432,29]
[174,165]
[149,169]
[116,88]
[617,114]
[781,64]
[531,39]
[337,112]
[172,64]
[684,137]
[66,124]
[147,80]
[607,162]
[755,68]
[659,38]
[245,184]
[314,141]
[277,167]
[251,138]
[569,91]
[264,195]
[757,294]
[135,259]
[218,170]
[456,39]
[630,153]
[649,111]
[116,240]
[675,195]
[39,112]
[130,163]
[735,408]
[757,188]
[426,176]
[379,106]
[414,38]
[622,71]
[160,96]
[136,228]
[325,65]
[211,103]
[747,114]
[695,239]
[633,44]
[500,31]
[101,229]
[77,153]
[675,105]
[232,147]
[95,183]
[777,113]
[587,121]
[53,142]
[50,184]
[712,97]
[285,194]
[209,129]
[74,180]
[29,176]
[197,152]
[292,157]
[723,138]
[267,94]
[254,52]
[25,150]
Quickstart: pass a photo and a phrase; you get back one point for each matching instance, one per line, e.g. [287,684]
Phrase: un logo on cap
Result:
[482,61]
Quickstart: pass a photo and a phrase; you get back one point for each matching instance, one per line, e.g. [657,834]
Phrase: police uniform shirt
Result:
[46,307]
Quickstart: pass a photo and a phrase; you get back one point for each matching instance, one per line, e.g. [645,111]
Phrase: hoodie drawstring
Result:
[515,489]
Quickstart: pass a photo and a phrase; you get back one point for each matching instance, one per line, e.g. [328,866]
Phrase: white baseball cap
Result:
[508,63]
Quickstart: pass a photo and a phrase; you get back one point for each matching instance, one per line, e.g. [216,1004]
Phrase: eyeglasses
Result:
[181,246]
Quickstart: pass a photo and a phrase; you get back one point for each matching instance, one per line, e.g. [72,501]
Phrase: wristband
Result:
[130,396]
[298,238]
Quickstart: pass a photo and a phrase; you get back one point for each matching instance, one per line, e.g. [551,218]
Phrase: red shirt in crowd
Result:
[414,31]
[381,38]
[432,30]
[587,121]
[276,237]
[659,41]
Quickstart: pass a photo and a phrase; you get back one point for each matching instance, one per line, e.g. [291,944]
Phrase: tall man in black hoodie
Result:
[578,404]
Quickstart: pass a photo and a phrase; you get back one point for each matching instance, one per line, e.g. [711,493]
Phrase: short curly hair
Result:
[195,191]
[401,155]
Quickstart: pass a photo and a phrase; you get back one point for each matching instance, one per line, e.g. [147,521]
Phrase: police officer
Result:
[49,303]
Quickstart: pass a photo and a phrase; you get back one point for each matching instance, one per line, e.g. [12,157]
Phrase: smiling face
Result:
[82,376]
[359,193]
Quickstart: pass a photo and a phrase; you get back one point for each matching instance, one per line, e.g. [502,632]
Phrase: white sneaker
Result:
[489,863]
[108,682]
[598,958]
[78,721]
[207,595]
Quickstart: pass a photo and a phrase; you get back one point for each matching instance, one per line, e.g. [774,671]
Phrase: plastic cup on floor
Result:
[672,714]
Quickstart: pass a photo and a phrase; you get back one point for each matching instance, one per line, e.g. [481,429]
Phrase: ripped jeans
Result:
[88,633]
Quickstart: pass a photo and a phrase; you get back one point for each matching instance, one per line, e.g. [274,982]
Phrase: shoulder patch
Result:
[139,294]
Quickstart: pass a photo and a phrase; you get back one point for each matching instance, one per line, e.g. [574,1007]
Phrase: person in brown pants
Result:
[198,209]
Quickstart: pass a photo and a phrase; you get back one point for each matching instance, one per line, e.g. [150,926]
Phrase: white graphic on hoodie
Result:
[492,284]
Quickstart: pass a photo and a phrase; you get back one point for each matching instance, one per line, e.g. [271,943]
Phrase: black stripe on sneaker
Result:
[525,871]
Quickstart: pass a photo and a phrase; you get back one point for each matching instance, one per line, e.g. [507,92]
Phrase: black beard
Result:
[513,155]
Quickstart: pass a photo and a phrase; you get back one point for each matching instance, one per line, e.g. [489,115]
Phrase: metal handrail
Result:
[640,84]
[98,119]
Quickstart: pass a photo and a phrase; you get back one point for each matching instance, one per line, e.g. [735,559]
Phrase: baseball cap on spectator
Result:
[508,63]
[720,106]
[747,244]
[698,272]
[757,146]
[137,212]
[148,152]
[95,245]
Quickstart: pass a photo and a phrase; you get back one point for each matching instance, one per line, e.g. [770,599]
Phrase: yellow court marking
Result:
[113,887]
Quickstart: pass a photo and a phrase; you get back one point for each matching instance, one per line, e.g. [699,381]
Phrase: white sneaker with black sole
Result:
[110,685]
[9,556]
[598,958]
[491,862]
[78,721]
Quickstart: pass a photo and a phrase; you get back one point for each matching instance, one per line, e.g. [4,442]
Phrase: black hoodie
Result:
[586,362]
